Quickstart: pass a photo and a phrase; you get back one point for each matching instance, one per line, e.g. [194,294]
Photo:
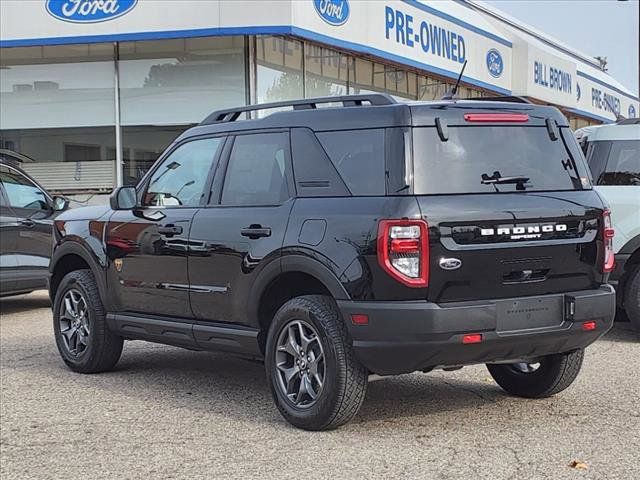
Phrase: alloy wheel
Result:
[300,363]
[74,322]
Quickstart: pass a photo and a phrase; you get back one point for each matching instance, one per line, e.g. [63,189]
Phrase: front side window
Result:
[615,162]
[21,192]
[256,172]
[180,179]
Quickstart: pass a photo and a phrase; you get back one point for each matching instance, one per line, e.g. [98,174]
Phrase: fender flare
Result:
[294,263]
[631,246]
[90,258]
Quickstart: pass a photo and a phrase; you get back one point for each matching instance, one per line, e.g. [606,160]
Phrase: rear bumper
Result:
[404,337]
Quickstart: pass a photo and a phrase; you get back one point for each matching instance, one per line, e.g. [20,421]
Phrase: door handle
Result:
[255,231]
[170,230]
[27,222]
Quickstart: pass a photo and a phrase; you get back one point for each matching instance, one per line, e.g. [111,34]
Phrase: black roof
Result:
[365,111]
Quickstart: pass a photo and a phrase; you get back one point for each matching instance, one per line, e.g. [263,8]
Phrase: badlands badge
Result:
[118,263]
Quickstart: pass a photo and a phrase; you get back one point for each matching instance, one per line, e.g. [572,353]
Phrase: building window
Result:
[279,69]
[326,71]
[167,86]
[58,106]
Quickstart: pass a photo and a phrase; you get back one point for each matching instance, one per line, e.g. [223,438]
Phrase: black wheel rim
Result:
[74,322]
[300,364]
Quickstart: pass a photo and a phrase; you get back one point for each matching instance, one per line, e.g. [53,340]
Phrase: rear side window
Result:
[256,172]
[615,162]
[358,155]
[494,159]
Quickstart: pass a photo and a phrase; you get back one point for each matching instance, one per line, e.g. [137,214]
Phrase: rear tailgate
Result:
[510,207]
[512,245]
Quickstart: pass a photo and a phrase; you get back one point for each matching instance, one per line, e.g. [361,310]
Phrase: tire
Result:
[329,355]
[632,297]
[96,351]
[554,374]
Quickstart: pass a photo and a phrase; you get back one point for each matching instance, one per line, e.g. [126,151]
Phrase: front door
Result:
[243,229]
[28,224]
[148,246]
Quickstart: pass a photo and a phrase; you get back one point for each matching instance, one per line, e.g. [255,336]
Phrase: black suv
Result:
[349,236]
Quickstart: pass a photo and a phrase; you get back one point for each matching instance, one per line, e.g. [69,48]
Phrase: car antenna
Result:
[451,93]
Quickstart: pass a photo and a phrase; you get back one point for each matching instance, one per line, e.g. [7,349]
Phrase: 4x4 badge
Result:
[450,263]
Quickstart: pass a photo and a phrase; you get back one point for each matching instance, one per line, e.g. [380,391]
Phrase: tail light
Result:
[607,237]
[403,251]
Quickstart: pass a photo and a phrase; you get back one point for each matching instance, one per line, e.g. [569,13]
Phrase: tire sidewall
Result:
[333,381]
[632,298]
[71,281]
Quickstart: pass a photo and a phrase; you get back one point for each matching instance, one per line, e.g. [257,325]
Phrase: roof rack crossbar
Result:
[232,114]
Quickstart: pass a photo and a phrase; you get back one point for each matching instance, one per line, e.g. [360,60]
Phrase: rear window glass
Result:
[615,162]
[358,156]
[494,159]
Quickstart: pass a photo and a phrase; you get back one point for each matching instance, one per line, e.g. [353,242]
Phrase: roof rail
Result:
[232,114]
[505,98]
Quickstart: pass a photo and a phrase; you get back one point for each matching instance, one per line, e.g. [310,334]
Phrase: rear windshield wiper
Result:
[497,179]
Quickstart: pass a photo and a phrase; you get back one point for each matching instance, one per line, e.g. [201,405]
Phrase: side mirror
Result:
[59,204]
[123,198]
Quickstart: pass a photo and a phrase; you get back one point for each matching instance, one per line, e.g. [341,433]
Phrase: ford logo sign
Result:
[495,65]
[450,263]
[88,11]
[632,111]
[334,12]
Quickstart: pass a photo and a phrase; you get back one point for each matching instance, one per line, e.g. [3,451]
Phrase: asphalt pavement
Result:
[166,412]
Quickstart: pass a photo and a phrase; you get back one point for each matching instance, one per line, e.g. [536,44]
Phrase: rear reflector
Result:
[472,338]
[588,326]
[496,117]
[359,319]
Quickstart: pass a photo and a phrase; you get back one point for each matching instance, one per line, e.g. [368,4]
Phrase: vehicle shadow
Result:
[622,331]
[209,383]
[22,303]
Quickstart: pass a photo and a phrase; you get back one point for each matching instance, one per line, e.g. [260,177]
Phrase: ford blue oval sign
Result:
[334,12]
[495,65]
[632,111]
[89,11]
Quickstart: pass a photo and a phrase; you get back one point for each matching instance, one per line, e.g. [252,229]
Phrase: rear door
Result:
[242,230]
[511,211]
[148,246]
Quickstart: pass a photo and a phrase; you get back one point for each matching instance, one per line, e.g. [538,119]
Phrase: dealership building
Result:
[92,91]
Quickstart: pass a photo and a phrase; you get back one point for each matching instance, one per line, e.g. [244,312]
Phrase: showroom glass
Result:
[326,71]
[180,179]
[167,86]
[256,171]
[279,69]
[21,192]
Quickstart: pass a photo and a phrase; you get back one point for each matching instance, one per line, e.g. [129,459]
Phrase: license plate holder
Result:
[528,313]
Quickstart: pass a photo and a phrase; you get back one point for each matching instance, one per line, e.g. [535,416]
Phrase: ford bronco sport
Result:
[349,236]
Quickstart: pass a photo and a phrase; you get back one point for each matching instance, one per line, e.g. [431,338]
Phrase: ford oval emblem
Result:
[495,65]
[632,111]
[89,11]
[334,12]
[450,263]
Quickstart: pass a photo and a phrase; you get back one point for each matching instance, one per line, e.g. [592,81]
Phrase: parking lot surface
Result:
[172,413]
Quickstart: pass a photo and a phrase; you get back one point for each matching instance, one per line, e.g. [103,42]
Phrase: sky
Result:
[607,28]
